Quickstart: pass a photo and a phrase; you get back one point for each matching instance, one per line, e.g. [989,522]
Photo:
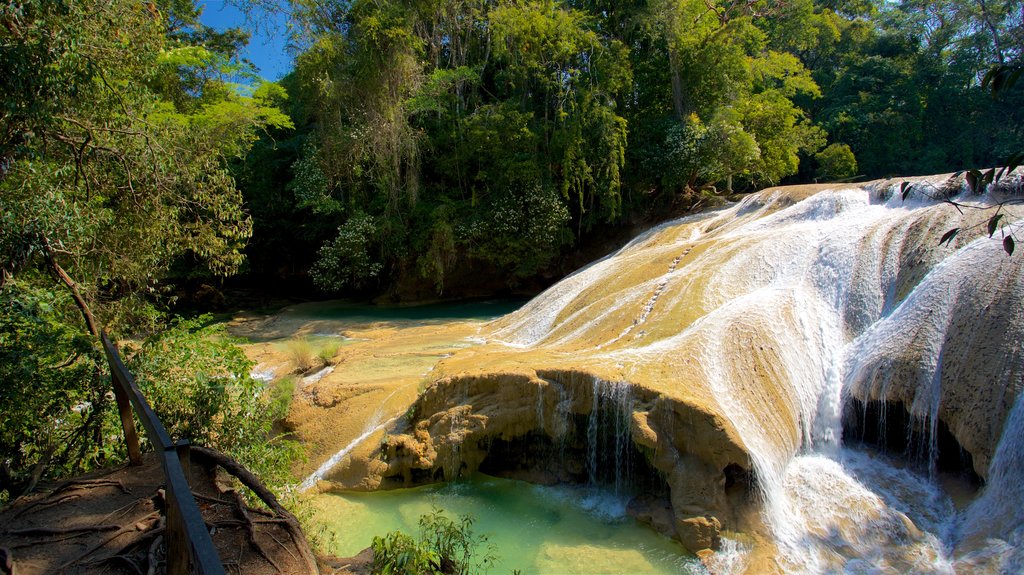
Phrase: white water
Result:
[827,282]
[335,459]
[372,426]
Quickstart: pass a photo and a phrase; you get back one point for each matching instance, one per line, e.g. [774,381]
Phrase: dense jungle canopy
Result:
[419,148]
[444,136]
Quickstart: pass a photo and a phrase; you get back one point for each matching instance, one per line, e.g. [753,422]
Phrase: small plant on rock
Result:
[328,351]
[300,351]
[444,547]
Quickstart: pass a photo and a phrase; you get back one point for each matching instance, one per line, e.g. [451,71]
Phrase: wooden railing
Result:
[189,545]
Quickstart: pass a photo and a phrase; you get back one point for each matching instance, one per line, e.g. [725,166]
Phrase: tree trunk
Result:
[677,83]
[63,277]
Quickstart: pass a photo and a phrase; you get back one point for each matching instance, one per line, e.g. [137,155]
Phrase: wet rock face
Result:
[699,533]
[570,427]
[711,351]
[890,428]
[950,353]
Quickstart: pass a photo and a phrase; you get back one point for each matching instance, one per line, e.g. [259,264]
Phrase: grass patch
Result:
[281,393]
[310,353]
[300,351]
[328,351]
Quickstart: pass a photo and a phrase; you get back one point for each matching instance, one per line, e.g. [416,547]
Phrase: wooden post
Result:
[187,536]
[179,556]
[182,446]
[124,409]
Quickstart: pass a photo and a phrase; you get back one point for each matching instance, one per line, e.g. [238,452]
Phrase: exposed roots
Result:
[138,530]
[249,480]
[61,490]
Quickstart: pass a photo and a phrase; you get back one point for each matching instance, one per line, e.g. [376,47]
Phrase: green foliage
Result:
[427,120]
[443,546]
[328,350]
[118,127]
[440,255]
[347,261]
[836,162]
[53,390]
[699,153]
[115,141]
[198,382]
[520,230]
[399,554]
[282,391]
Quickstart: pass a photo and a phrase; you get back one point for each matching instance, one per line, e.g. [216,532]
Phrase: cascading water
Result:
[776,313]
[611,407]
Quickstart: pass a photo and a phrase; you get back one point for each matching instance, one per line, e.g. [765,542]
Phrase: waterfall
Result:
[775,314]
[997,512]
[608,429]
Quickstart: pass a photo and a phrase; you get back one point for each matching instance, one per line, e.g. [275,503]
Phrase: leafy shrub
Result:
[198,382]
[281,393]
[346,261]
[521,230]
[836,162]
[444,546]
[53,390]
[57,394]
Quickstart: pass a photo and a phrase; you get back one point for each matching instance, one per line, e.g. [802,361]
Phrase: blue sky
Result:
[266,46]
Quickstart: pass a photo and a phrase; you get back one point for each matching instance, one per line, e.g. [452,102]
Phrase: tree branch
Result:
[63,277]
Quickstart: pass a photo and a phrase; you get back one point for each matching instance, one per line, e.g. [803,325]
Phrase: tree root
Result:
[216,500]
[46,502]
[123,510]
[250,527]
[143,525]
[249,480]
[112,558]
[73,485]
[62,530]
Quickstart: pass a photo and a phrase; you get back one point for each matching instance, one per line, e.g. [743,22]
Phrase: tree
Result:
[115,135]
[111,173]
[836,162]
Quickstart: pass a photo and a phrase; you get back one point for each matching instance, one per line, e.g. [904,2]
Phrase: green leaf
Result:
[1008,245]
[992,223]
[989,77]
[948,236]
[1012,78]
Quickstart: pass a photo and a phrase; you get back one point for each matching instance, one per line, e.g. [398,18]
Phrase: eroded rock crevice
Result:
[685,474]
[890,428]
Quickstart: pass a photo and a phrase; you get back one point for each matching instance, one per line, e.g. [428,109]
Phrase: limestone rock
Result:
[653,511]
[699,533]
[599,560]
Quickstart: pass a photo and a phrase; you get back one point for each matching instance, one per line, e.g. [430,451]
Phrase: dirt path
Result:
[112,522]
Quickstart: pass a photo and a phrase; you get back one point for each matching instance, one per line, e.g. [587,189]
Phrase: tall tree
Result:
[117,126]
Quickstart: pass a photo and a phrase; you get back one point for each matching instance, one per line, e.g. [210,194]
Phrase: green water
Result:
[420,314]
[535,529]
